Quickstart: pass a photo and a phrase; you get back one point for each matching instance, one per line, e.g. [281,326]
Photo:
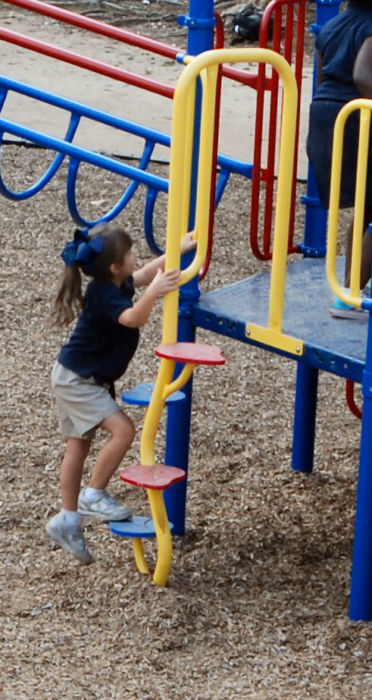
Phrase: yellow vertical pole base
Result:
[139,556]
[163,536]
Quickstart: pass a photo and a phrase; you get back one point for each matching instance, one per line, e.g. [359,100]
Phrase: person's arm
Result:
[362,73]
[144,275]
[163,282]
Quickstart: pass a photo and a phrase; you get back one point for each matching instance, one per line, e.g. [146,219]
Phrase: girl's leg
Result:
[64,528]
[75,455]
[122,433]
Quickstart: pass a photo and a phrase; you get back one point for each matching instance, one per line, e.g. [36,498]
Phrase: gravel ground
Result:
[257,601]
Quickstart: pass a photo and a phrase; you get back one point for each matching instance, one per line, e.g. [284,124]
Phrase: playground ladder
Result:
[205,67]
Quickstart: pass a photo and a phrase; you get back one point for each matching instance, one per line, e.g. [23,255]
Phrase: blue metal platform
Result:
[334,345]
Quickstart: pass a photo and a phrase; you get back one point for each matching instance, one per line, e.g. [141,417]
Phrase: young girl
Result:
[96,355]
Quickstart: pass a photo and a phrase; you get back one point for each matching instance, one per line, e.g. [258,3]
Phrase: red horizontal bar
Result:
[242,76]
[87,63]
[94,25]
[123,35]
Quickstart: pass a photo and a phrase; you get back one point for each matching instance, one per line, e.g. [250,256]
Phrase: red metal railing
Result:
[279,15]
[91,64]
[126,37]
[93,25]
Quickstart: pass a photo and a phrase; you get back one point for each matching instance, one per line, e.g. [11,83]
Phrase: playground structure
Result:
[240,311]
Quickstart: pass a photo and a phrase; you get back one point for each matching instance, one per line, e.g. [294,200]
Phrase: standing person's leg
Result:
[94,501]
[64,528]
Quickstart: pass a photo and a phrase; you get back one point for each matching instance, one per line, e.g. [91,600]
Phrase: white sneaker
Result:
[104,509]
[70,538]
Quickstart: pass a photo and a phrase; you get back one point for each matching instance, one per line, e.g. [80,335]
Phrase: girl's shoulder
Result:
[127,287]
[101,294]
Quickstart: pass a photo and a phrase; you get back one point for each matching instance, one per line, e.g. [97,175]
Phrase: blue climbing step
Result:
[137,527]
[141,395]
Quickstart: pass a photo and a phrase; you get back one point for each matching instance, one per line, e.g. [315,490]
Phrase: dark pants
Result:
[319,149]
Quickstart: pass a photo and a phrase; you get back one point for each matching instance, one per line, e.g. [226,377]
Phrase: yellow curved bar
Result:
[163,536]
[139,556]
[365,107]
[203,195]
[207,63]
[154,412]
[159,515]
[180,381]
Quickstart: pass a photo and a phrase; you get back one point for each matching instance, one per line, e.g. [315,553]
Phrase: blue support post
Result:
[361,579]
[304,418]
[314,245]
[199,22]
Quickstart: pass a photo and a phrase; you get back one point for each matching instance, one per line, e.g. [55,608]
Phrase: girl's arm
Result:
[146,274]
[163,282]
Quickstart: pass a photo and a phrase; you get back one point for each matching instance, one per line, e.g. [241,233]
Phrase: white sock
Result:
[92,495]
[71,517]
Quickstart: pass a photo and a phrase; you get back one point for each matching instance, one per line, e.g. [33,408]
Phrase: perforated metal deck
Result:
[335,345]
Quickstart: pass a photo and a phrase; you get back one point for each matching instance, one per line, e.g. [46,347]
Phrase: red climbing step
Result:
[198,353]
[156,476]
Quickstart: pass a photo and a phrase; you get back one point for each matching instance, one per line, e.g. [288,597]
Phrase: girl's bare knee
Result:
[130,430]
[121,427]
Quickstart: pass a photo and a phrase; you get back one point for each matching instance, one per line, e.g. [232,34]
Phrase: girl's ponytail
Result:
[69,300]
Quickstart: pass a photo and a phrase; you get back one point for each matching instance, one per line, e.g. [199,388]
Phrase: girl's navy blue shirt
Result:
[100,346]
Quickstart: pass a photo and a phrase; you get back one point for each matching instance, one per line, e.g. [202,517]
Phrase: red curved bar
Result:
[350,399]
[84,62]
[219,34]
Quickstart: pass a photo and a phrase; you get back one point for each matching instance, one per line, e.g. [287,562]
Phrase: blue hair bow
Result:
[82,250]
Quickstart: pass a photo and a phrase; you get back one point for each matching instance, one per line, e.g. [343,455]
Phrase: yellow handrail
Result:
[365,107]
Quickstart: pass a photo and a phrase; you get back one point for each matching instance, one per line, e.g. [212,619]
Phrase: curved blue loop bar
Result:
[77,111]
[69,149]
[148,221]
[3,95]
[65,147]
[50,171]
[122,201]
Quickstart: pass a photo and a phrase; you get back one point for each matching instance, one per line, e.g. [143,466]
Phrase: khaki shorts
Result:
[81,403]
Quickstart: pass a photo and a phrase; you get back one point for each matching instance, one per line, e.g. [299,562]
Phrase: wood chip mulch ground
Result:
[257,601]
